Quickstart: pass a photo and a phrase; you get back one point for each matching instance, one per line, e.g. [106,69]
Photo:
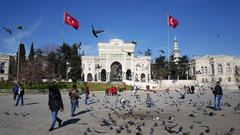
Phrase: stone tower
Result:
[176,53]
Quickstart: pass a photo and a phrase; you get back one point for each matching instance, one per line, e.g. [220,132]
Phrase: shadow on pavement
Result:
[70,121]
[82,112]
[32,103]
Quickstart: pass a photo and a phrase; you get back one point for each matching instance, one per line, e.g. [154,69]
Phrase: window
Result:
[202,79]
[206,70]
[136,77]
[220,79]
[202,70]
[228,68]
[220,69]
[229,79]
[2,66]
[212,66]
[212,79]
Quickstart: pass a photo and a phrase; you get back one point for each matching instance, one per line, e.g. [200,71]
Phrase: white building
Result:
[209,69]
[6,66]
[116,62]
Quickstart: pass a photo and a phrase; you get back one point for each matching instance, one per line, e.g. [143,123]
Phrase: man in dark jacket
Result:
[218,93]
[15,91]
[55,104]
[20,94]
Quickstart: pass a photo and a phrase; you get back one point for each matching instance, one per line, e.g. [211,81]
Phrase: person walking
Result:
[192,89]
[218,93]
[149,101]
[74,95]
[86,91]
[55,104]
[20,94]
[15,91]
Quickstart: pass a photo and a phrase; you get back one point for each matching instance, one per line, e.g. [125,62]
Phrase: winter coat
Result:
[15,89]
[73,94]
[218,90]
[20,91]
[55,101]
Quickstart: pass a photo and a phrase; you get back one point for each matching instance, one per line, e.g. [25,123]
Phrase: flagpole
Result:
[168,60]
[62,29]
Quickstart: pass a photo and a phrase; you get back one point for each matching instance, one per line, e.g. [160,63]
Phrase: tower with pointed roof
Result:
[176,53]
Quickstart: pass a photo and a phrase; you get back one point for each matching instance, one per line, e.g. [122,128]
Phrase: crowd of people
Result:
[55,102]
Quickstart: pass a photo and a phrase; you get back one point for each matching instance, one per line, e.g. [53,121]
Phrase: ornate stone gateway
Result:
[116,62]
[116,72]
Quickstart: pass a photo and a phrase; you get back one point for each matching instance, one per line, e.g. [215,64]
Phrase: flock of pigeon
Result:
[127,114]
[130,116]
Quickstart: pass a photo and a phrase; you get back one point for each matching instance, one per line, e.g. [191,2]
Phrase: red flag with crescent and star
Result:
[69,20]
[172,21]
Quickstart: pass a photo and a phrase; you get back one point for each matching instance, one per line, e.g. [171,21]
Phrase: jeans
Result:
[14,96]
[74,105]
[54,118]
[18,98]
[148,104]
[86,99]
[218,101]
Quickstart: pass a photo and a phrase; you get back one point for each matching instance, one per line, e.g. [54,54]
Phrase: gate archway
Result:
[116,72]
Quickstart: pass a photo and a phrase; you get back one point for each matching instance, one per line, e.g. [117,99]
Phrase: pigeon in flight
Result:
[96,32]
[134,42]
[161,51]
[7,30]
[20,27]
[128,53]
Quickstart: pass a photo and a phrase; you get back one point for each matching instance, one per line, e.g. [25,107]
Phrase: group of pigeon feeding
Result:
[128,116]
[9,31]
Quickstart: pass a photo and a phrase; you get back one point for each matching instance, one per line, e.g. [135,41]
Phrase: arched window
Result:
[228,68]
[89,77]
[202,70]
[2,66]
[237,70]
[129,75]
[103,75]
[206,70]
[95,77]
[220,69]
[136,77]
[143,78]
[203,80]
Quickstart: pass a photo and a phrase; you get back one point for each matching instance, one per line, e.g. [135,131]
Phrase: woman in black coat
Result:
[55,104]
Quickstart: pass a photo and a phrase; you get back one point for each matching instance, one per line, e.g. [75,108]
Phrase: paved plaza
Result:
[170,115]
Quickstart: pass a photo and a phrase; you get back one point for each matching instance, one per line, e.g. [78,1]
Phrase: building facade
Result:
[116,62]
[6,67]
[209,69]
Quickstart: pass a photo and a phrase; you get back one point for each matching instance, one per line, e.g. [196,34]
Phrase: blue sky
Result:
[200,21]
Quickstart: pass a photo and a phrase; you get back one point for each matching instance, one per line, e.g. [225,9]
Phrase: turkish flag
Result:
[172,21]
[69,20]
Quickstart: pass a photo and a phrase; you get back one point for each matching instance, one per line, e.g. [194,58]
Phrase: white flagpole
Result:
[168,60]
[62,28]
